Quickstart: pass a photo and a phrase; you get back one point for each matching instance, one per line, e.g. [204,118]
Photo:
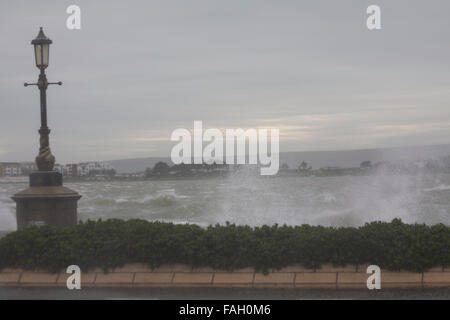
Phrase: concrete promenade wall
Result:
[137,275]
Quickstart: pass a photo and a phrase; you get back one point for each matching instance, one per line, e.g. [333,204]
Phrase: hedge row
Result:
[113,243]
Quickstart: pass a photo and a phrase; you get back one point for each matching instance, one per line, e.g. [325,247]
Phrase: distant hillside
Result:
[317,159]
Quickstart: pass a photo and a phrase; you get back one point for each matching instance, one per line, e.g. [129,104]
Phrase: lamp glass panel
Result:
[41,52]
[38,54]
[45,53]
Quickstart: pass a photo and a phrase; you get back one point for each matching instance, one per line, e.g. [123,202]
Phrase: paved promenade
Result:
[177,276]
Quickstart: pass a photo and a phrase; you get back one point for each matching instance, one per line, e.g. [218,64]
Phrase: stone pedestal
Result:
[46,201]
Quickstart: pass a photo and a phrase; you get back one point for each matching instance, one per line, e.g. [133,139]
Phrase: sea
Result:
[249,199]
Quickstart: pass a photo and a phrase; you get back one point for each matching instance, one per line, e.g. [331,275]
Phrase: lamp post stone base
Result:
[45,179]
[46,202]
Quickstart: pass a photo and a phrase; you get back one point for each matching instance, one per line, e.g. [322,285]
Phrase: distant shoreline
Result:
[282,174]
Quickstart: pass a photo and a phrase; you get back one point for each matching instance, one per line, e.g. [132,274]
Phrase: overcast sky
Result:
[137,70]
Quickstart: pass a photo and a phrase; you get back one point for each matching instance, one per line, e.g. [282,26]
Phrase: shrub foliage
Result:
[113,243]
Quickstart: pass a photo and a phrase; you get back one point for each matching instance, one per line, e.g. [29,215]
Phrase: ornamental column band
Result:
[46,201]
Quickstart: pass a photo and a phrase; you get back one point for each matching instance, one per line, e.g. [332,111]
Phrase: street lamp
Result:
[41,49]
[45,160]
[46,201]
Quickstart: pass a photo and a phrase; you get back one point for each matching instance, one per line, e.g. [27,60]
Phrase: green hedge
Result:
[112,243]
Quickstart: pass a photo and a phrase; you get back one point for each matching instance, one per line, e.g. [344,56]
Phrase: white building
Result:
[13,169]
[10,169]
[28,167]
[85,168]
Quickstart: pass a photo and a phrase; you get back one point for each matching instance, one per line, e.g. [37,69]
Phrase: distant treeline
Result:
[162,169]
[439,165]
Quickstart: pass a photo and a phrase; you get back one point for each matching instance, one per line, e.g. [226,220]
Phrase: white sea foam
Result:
[7,216]
[441,187]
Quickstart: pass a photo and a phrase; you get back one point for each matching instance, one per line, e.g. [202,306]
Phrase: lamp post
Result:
[45,160]
[46,201]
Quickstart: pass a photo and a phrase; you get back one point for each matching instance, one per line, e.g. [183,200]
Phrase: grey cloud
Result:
[139,69]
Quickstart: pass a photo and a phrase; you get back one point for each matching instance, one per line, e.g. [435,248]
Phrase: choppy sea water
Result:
[253,200]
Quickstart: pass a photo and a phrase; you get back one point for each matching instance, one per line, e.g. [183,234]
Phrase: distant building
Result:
[14,169]
[71,170]
[28,167]
[59,168]
[84,169]
[10,169]
[94,168]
